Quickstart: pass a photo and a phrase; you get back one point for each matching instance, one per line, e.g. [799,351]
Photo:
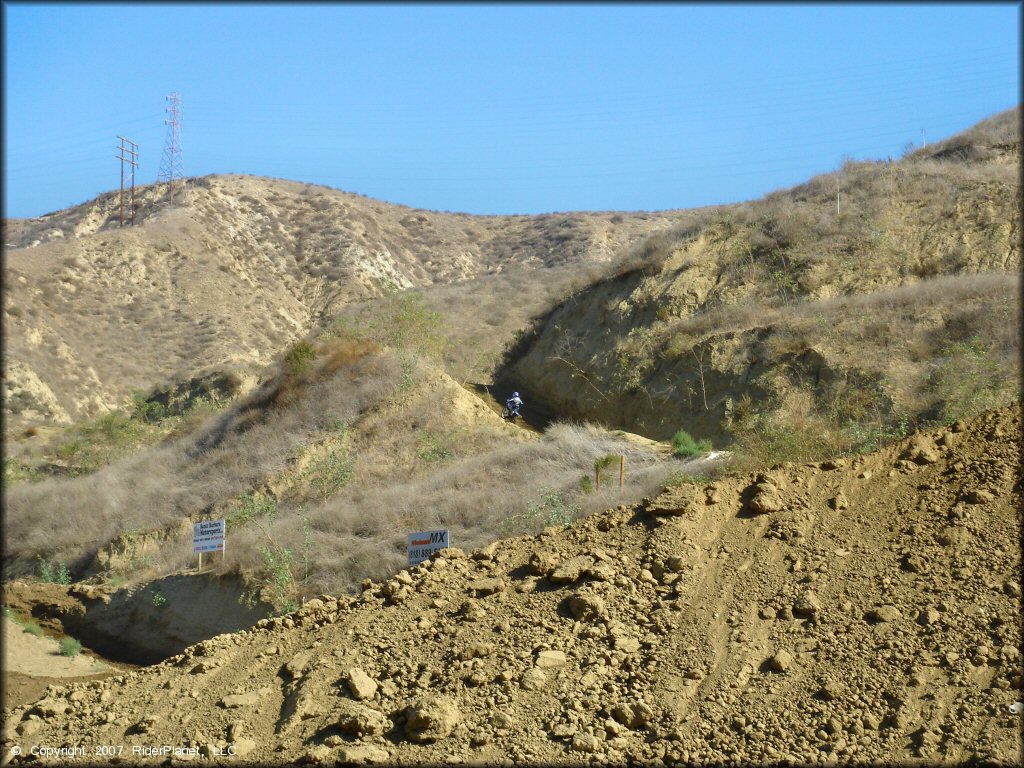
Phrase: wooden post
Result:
[622,469]
[597,472]
[200,560]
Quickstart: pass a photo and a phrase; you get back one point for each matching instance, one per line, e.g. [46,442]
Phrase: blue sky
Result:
[522,108]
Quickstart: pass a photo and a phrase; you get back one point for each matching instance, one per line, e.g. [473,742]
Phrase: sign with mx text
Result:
[208,536]
[423,544]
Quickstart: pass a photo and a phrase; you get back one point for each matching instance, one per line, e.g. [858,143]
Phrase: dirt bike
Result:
[509,415]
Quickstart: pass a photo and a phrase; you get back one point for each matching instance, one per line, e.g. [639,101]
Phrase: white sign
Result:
[208,536]
[423,544]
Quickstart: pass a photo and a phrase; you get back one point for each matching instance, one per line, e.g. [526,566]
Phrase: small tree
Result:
[330,474]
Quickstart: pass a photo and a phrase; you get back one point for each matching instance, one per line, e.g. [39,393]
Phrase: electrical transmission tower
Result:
[170,164]
[129,154]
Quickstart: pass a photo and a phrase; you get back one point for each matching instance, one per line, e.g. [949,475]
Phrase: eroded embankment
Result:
[855,610]
[141,624]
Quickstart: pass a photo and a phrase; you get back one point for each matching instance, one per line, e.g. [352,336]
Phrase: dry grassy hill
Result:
[325,414]
[846,612]
[237,270]
[791,327]
[325,468]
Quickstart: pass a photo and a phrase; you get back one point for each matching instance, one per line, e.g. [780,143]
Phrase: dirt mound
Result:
[850,610]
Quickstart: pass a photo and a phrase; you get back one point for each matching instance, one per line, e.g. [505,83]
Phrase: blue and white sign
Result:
[208,536]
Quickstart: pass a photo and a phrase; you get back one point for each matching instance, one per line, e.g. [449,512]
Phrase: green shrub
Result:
[114,425]
[796,433]
[408,323]
[586,484]
[278,563]
[16,472]
[864,438]
[146,411]
[69,450]
[401,320]
[683,444]
[70,647]
[299,358]
[56,573]
[159,598]
[435,447]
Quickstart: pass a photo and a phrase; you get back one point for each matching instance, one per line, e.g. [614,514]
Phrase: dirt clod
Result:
[431,718]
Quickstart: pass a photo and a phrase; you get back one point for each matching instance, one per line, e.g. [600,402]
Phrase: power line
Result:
[132,149]
[170,164]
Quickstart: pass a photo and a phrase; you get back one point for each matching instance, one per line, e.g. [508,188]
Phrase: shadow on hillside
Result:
[535,414]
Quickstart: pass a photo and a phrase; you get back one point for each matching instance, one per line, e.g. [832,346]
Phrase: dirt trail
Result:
[31,663]
[848,611]
[532,420]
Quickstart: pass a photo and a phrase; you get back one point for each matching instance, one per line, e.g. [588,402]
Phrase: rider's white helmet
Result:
[515,394]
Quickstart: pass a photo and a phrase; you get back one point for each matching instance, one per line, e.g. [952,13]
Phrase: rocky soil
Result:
[846,611]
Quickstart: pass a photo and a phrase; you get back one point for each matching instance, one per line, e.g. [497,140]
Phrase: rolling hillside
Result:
[324,372]
[900,308]
[229,277]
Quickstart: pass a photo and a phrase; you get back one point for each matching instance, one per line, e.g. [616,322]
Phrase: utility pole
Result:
[129,153]
[170,164]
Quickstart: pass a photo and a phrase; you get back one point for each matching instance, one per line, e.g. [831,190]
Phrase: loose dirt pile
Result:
[846,611]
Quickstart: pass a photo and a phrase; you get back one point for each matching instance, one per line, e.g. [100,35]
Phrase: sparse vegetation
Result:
[551,509]
[88,447]
[69,646]
[913,325]
[680,477]
[792,433]
[330,473]
[249,507]
[27,624]
[970,378]
[435,447]
[15,471]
